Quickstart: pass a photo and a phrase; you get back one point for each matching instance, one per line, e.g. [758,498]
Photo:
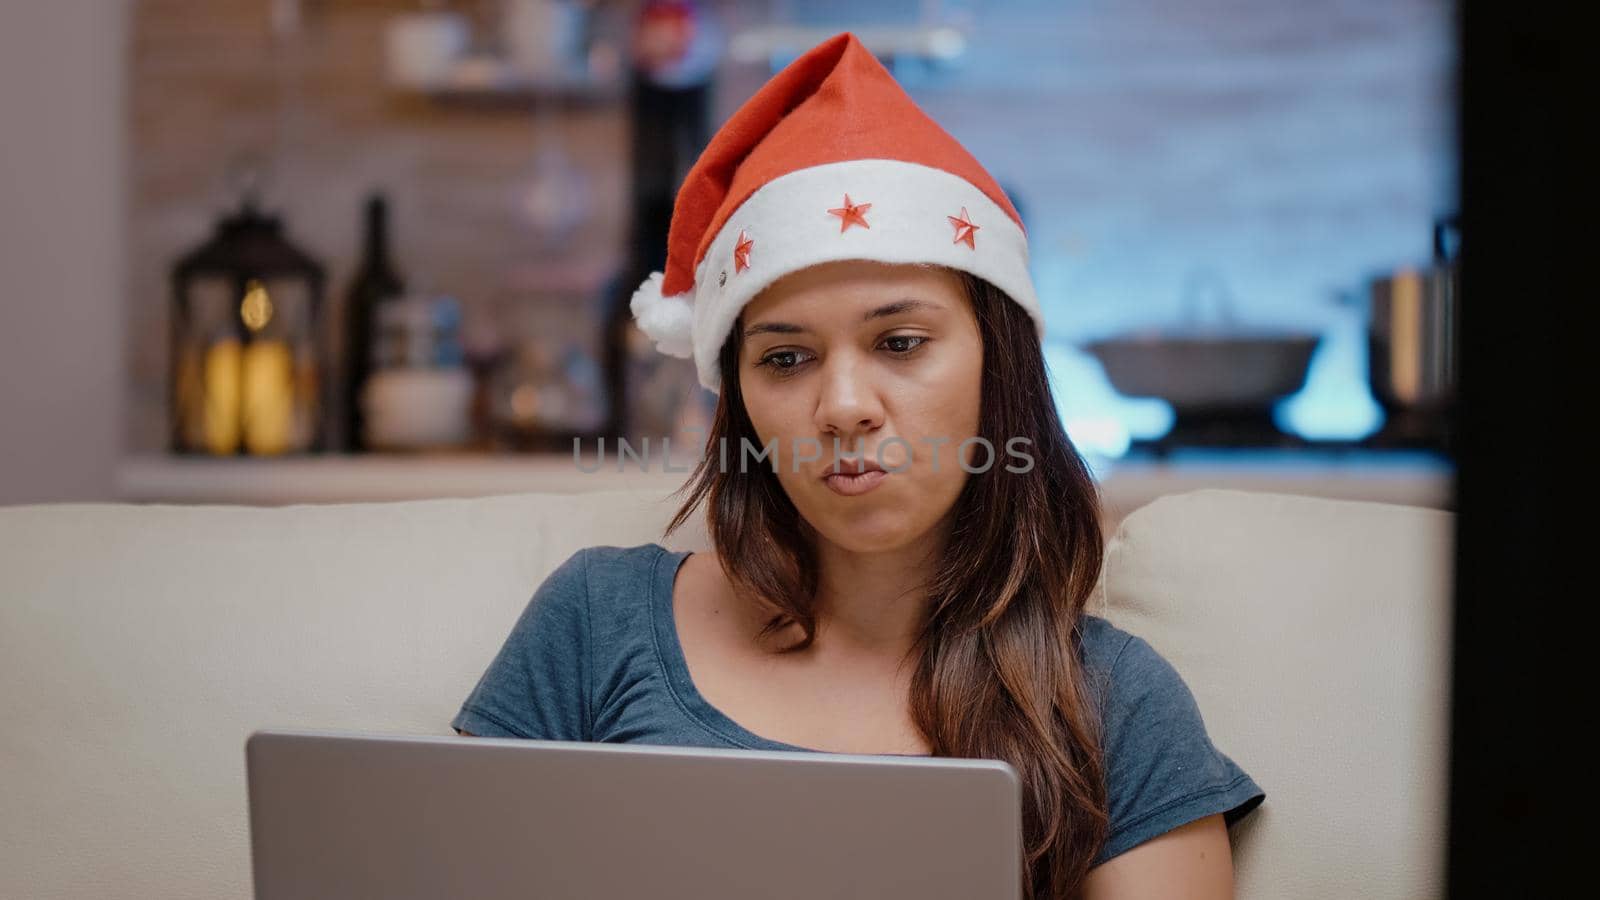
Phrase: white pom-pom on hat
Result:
[669,321]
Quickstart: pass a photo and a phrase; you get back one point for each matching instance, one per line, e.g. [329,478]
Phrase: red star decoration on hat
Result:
[851,214]
[964,229]
[741,253]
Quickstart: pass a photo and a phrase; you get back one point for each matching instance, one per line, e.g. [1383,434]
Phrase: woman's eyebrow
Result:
[888,309]
[899,306]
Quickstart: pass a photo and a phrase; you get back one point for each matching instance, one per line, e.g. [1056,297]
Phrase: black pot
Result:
[1204,370]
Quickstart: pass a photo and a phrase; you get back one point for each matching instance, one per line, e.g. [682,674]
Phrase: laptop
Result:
[408,817]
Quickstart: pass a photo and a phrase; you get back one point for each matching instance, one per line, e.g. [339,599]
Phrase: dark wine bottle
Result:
[376,282]
[670,127]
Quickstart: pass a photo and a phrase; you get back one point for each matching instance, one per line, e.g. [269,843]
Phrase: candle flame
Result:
[256,308]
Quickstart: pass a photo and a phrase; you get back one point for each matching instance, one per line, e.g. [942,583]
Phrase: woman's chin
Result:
[862,530]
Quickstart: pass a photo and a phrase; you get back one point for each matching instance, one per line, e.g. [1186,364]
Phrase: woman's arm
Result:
[1193,861]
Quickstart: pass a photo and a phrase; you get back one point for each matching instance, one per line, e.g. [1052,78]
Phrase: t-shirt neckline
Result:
[669,651]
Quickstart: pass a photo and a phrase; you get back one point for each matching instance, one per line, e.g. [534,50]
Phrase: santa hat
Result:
[829,160]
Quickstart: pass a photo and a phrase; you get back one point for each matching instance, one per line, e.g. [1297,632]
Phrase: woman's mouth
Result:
[852,480]
[851,485]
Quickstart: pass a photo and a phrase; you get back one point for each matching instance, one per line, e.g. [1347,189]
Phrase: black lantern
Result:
[246,362]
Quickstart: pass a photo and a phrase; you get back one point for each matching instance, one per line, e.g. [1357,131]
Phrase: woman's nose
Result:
[848,403]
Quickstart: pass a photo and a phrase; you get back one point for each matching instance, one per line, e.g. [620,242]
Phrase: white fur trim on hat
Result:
[788,222]
[669,321]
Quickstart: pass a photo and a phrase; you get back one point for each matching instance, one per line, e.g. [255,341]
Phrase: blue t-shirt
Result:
[595,656]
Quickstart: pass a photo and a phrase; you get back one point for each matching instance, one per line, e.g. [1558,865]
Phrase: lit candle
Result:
[220,404]
[268,397]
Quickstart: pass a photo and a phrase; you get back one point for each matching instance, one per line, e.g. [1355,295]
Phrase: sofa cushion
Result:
[1315,636]
[140,646]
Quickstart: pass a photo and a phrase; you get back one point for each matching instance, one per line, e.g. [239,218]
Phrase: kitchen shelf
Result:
[1414,479]
[493,84]
[350,478]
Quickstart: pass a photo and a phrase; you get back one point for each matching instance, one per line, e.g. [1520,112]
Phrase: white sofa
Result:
[140,645]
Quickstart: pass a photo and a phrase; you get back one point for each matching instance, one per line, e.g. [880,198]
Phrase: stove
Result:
[1221,429]
[1256,430]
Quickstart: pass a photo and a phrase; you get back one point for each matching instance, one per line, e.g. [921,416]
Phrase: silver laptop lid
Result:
[357,815]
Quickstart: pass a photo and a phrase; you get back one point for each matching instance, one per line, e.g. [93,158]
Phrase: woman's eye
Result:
[781,360]
[903,343]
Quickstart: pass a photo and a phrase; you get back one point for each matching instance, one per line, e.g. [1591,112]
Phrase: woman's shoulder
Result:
[585,629]
[1101,643]
[625,561]
[1162,767]
[605,569]
[1129,672]
[617,582]
[1124,659]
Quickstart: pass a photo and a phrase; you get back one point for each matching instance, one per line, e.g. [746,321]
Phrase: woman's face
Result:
[887,355]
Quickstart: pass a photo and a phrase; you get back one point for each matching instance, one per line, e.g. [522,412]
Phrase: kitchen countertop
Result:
[1387,476]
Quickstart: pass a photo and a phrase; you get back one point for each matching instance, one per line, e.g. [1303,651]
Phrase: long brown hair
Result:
[998,675]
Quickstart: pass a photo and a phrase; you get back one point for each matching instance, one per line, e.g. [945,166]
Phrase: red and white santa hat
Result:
[829,160]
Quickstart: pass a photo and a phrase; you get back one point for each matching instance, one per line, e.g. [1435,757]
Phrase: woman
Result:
[904,538]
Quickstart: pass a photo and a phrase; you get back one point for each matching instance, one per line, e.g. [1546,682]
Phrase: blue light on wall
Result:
[1299,151]
[1336,403]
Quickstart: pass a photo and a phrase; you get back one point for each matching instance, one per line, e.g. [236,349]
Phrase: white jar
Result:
[420,49]
[543,38]
[418,408]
